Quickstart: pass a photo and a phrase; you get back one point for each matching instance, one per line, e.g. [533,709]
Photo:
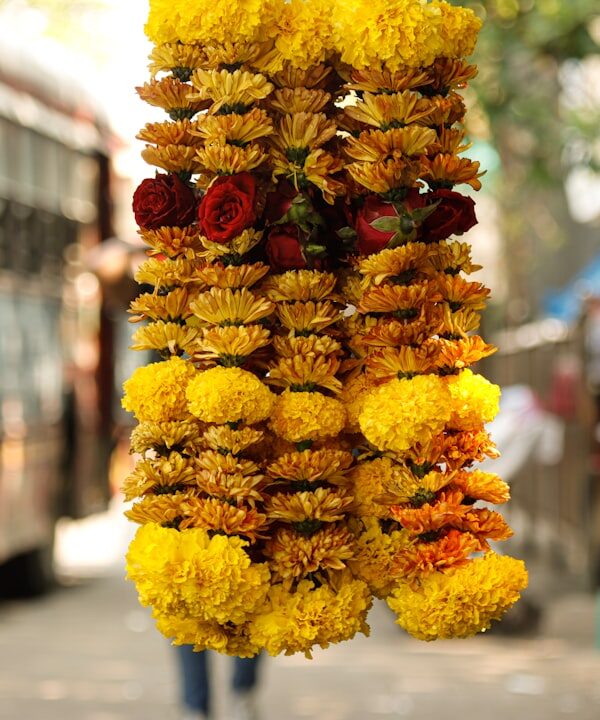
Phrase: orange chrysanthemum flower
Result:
[402,362]
[173,96]
[172,158]
[294,555]
[213,462]
[233,91]
[310,346]
[225,440]
[455,449]
[306,318]
[479,485]
[167,338]
[448,74]
[460,293]
[222,516]
[377,146]
[315,77]
[322,504]
[448,170]
[450,141]
[384,81]
[235,129]
[231,345]
[166,437]
[298,133]
[317,168]
[402,265]
[170,133]
[452,257]
[160,476]
[174,306]
[173,241]
[422,558]
[177,58]
[298,100]
[403,301]
[166,510]
[450,356]
[226,307]
[231,486]
[312,466]
[456,325]
[389,111]
[300,285]
[446,111]
[165,273]
[232,276]
[229,159]
[381,177]
[306,373]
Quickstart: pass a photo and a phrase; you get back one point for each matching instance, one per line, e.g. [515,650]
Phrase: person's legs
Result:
[194,677]
[245,676]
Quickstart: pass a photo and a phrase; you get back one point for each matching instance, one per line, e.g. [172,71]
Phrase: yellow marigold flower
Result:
[452,257]
[231,345]
[221,516]
[303,33]
[479,485]
[173,241]
[402,301]
[293,555]
[232,486]
[316,168]
[233,91]
[373,556]
[233,250]
[353,395]
[226,440]
[389,111]
[232,276]
[235,129]
[458,28]
[449,73]
[167,338]
[459,293]
[301,285]
[323,504]
[292,76]
[298,100]
[188,574]
[229,395]
[229,159]
[172,306]
[300,416]
[449,170]
[160,476]
[172,96]
[298,133]
[203,22]
[402,362]
[165,510]
[370,482]
[373,80]
[451,550]
[165,273]
[474,400]
[227,307]
[164,437]
[227,639]
[306,318]
[378,146]
[402,413]
[454,355]
[156,392]
[305,373]
[172,158]
[402,264]
[170,133]
[461,602]
[381,177]
[312,466]
[309,346]
[176,58]
[295,621]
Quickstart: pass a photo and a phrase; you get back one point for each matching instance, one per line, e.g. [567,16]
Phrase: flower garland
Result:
[298,457]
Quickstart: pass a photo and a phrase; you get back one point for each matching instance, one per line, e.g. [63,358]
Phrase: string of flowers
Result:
[246,479]
[419,407]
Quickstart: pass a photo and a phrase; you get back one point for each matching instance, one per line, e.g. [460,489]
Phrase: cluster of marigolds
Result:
[310,438]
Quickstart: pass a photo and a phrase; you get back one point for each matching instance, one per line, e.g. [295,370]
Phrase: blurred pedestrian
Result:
[195,685]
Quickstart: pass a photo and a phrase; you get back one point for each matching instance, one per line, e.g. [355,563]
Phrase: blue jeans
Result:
[195,681]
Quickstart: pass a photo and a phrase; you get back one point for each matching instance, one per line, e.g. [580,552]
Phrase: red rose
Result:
[228,209]
[454,215]
[164,200]
[369,239]
[279,202]
[284,249]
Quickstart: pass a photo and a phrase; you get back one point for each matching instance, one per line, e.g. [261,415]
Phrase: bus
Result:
[56,383]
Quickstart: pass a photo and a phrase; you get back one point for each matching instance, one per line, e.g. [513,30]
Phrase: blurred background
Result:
[74,644]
